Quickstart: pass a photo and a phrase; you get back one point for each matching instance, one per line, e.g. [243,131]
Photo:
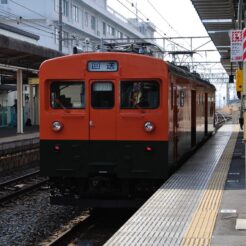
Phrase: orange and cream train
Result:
[114,126]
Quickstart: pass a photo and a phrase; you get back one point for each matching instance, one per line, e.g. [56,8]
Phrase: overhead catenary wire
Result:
[22,20]
[37,24]
[159,31]
[29,25]
[138,11]
[31,10]
[162,17]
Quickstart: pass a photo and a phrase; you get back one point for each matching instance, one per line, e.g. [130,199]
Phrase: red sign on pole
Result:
[237,45]
[244,45]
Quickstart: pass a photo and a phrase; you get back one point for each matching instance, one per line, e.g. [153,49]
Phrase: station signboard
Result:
[236,45]
[33,81]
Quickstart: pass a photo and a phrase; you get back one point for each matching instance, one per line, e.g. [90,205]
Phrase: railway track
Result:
[91,228]
[221,118]
[70,231]
[17,186]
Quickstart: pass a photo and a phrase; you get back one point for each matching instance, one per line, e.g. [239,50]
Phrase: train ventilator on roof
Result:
[239,82]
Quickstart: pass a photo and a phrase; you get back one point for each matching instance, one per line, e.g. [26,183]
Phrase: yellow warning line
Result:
[200,230]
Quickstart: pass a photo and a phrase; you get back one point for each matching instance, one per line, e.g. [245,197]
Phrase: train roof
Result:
[183,71]
[146,48]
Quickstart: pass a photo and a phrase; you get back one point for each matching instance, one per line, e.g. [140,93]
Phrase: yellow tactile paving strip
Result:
[200,230]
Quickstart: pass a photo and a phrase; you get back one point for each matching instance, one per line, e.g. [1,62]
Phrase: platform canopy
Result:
[16,54]
[219,17]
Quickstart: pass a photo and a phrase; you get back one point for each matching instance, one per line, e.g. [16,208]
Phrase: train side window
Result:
[136,94]
[181,98]
[171,95]
[102,95]
[67,94]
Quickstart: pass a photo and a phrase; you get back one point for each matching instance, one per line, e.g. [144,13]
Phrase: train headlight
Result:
[57,126]
[149,126]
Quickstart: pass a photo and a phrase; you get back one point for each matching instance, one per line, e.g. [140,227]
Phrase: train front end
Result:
[104,128]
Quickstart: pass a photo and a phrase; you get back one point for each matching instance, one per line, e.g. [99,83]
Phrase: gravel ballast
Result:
[31,219]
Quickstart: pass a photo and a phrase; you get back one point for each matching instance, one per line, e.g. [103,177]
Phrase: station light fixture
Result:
[223,51]
[218,31]
[223,46]
[214,21]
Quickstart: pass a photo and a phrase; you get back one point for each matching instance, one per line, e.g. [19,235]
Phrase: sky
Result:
[174,11]
[175,18]
[172,17]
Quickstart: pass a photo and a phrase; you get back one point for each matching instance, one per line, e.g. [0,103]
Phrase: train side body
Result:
[104,155]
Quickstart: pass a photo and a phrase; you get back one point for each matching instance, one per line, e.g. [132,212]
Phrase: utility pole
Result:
[60,26]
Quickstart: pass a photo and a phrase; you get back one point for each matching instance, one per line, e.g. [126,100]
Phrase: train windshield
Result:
[137,94]
[67,94]
[102,94]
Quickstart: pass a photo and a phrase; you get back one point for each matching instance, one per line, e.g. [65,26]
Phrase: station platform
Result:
[203,203]
[7,132]
[11,141]
[9,135]
[18,150]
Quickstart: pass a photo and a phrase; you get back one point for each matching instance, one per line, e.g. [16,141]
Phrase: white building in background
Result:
[84,22]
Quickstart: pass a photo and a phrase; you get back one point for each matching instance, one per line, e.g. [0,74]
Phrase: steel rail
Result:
[17,193]
[8,182]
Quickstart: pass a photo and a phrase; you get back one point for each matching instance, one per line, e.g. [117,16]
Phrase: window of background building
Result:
[56,35]
[82,18]
[108,29]
[117,34]
[64,7]
[86,19]
[112,31]
[75,13]
[93,22]
[104,28]
[65,37]
[4,1]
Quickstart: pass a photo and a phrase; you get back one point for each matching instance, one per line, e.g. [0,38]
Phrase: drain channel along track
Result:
[80,223]
[17,186]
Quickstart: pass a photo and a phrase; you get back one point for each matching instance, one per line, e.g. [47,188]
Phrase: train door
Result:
[175,122]
[102,121]
[206,114]
[193,118]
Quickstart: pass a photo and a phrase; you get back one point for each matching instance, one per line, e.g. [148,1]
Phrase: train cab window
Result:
[102,95]
[136,94]
[67,94]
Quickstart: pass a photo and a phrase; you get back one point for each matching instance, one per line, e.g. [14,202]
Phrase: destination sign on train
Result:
[102,66]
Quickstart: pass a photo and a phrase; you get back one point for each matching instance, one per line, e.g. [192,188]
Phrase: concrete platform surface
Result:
[184,209]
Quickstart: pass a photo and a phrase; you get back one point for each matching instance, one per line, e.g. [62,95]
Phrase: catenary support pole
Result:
[31,104]
[19,101]
[60,26]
